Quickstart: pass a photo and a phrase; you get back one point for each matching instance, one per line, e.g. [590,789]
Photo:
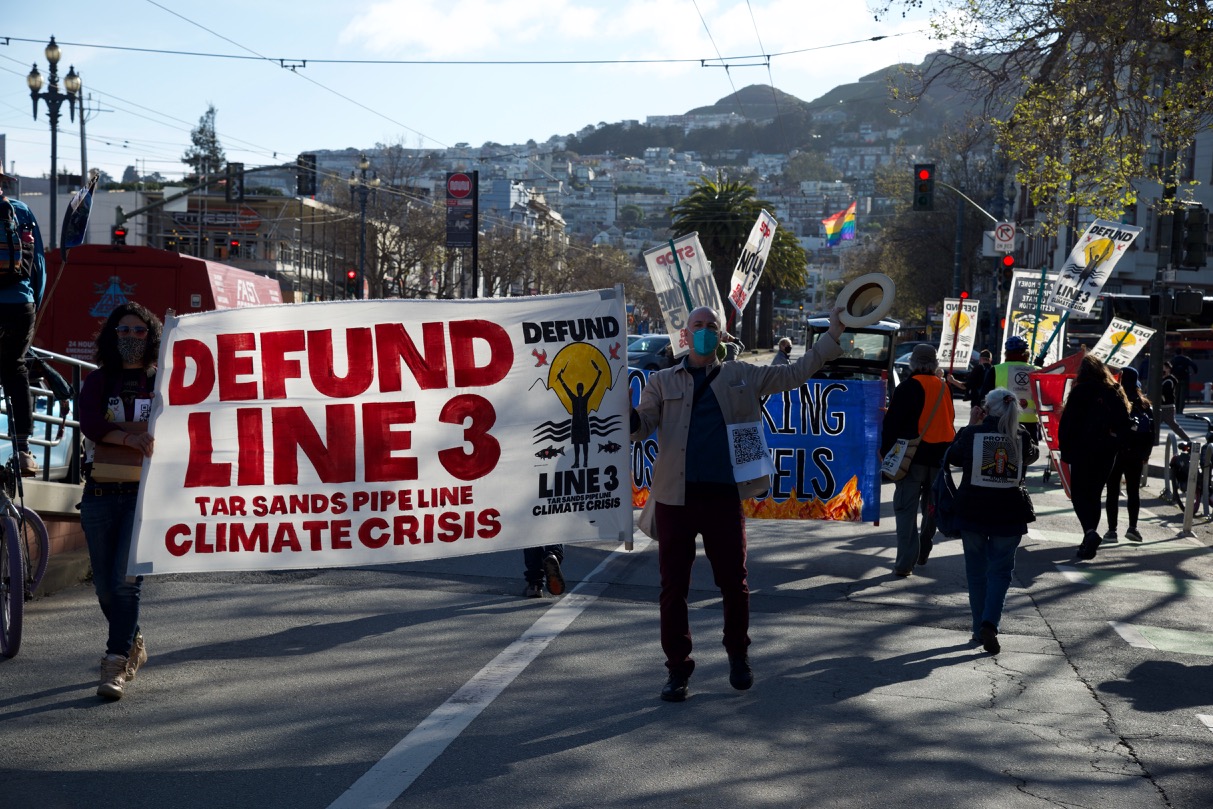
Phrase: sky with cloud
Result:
[287,76]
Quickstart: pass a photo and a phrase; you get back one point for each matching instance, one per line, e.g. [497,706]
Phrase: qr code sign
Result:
[747,444]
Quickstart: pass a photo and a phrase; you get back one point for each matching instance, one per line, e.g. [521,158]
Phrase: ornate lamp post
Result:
[54,100]
[361,187]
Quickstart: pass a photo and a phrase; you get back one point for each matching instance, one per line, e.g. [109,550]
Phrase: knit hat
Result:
[922,354]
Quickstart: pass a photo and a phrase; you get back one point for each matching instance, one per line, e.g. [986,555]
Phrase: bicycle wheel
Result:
[36,545]
[12,588]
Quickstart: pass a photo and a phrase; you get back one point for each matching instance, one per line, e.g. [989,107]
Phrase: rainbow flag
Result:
[840,226]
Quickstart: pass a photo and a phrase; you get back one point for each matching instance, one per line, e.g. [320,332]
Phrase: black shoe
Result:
[989,638]
[551,569]
[741,676]
[675,688]
[924,550]
[1090,543]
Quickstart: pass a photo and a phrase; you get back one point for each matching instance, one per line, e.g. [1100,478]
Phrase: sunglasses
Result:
[138,331]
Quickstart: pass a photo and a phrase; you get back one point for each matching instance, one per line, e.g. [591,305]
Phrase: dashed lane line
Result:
[387,780]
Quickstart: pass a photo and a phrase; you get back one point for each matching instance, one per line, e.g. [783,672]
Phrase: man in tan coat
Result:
[706,412]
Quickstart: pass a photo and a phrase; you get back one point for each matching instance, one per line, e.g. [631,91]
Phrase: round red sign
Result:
[458,186]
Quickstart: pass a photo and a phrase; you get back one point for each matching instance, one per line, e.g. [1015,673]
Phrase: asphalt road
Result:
[435,684]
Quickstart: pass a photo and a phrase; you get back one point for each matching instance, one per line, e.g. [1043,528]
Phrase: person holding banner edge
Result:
[707,414]
[115,403]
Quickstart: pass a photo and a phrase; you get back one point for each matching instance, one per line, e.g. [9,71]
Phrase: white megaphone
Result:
[866,300]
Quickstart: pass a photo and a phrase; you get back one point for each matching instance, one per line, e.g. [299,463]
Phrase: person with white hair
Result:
[992,509]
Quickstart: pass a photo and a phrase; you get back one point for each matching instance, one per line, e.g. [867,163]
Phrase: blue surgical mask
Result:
[705,341]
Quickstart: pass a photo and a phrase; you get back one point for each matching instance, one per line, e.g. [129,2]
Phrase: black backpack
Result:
[1143,427]
[16,253]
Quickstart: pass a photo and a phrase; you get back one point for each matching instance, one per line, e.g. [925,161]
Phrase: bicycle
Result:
[24,553]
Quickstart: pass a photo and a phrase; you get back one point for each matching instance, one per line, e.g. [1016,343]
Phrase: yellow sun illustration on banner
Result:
[579,369]
[1123,338]
[960,321]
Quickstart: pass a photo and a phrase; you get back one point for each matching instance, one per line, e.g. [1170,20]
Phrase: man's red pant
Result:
[717,516]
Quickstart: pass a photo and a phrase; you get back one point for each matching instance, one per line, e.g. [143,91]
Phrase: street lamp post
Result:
[361,187]
[54,100]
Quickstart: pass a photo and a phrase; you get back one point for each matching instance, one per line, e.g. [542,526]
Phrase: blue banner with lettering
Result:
[824,438]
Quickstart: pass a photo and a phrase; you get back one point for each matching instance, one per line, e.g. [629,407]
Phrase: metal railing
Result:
[69,472]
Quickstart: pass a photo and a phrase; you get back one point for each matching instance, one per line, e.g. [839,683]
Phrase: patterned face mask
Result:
[131,348]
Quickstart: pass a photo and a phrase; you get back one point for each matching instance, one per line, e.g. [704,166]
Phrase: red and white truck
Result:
[98,278]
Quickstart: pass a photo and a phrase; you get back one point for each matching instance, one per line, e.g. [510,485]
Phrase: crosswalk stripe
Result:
[1149,582]
[1167,640]
[1131,635]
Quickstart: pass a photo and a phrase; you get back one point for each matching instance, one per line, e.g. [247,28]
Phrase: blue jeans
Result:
[108,520]
[989,563]
[911,496]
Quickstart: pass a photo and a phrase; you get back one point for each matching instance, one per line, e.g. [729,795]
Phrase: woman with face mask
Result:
[115,403]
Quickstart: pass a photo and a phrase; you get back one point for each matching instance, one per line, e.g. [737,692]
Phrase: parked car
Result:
[651,352]
[902,365]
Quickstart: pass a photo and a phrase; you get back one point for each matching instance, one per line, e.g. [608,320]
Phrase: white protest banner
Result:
[700,285]
[371,432]
[752,260]
[959,333]
[1121,342]
[1090,265]
[1031,318]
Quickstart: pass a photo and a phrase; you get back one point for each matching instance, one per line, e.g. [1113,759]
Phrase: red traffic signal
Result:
[234,244]
[964,296]
[351,275]
[925,172]
[1008,261]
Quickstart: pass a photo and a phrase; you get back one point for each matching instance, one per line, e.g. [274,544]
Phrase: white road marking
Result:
[395,772]
[1131,635]
[1073,574]
[1206,720]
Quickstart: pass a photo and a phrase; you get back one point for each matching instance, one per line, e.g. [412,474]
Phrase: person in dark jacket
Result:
[976,380]
[1094,425]
[1168,393]
[20,298]
[992,511]
[114,399]
[922,406]
[1183,367]
[1131,459]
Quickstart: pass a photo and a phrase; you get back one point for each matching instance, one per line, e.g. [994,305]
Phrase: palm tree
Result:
[723,212]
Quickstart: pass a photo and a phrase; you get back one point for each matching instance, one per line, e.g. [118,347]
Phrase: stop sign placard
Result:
[458,185]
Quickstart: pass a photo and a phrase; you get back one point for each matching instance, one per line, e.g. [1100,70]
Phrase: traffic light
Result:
[234,192]
[924,187]
[305,175]
[1195,237]
[1008,272]
[118,234]
[351,283]
[233,248]
[964,296]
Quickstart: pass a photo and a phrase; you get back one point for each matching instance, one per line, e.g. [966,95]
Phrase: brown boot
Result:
[113,676]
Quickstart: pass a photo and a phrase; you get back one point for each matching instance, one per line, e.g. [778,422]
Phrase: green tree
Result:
[1088,100]
[723,212]
[205,155]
